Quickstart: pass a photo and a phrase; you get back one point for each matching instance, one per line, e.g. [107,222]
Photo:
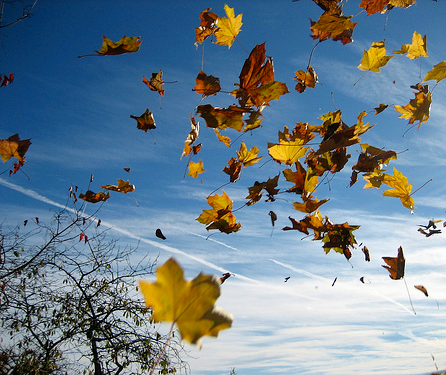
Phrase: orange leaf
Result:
[374,6]
[422,289]
[257,86]
[92,197]
[395,266]
[305,79]
[207,25]
[417,109]
[206,85]
[333,26]
[124,45]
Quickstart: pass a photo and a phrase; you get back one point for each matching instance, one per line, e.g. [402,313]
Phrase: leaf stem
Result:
[422,186]
[164,349]
[410,299]
[367,72]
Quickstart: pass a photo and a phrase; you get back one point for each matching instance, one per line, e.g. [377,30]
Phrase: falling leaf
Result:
[127,170]
[207,25]
[401,188]
[257,86]
[196,168]
[248,158]
[83,237]
[224,277]
[233,169]
[222,118]
[160,234]
[309,205]
[374,6]
[287,152]
[92,197]
[418,109]
[206,85]
[305,79]
[380,108]
[273,216]
[7,79]
[334,281]
[395,266]
[14,147]
[438,72]
[374,58]
[192,136]
[416,49]
[124,45]
[190,305]
[333,26]
[422,289]
[122,187]
[228,28]
[145,121]
[156,82]
[256,191]
[220,216]
[366,253]
[222,138]
[287,278]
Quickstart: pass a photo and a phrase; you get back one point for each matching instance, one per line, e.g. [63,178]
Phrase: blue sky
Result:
[76,112]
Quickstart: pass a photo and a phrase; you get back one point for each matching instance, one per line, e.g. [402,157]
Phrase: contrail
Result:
[298,270]
[33,194]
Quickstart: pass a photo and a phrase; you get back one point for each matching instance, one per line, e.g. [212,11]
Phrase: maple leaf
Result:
[416,49]
[309,205]
[191,137]
[333,161]
[374,58]
[305,79]
[254,121]
[222,118]
[122,187]
[400,3]
[380,108]
[195,169]
[297,177]
[233,169]
[333,26]
[222,138]
[340,238]
[301,226]
[257,85]
[374,6]
[145,121]
[418,109]
[14,147]
[400,188]
[188,304]
[92,197]
[374,179]
[156,82]
[255,191]
[206,85]
[395,266]
[248,158]
[207,25]
[124,45]
[438,72]
[228,28]
[220,216]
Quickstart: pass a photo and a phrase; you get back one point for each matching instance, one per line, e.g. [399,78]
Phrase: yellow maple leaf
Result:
[228,28]
[438,72]
[248,158]
[416,49]
[400,188]
[220,216]
[418,109]
[375,57]
[309,205]
[195,168]
[188,304]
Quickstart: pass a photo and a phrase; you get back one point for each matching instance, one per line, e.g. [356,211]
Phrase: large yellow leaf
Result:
[189,304]
[374,58]
[400,188]
[287,152]
[228,28]
[416,49]
[438,72]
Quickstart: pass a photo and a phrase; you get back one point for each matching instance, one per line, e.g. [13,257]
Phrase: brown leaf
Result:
[145,121]
[156,82]
[395,266]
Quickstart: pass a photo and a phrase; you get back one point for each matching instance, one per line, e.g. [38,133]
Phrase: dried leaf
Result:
[206,85]
[14,147]
[122,187]
[395,266]
[145,121]
[156,82]
[92,197]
